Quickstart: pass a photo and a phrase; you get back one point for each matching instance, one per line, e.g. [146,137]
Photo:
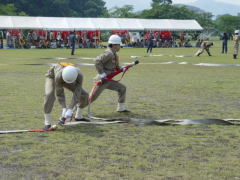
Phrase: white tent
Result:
[83,24]
[132,24]
[6,22]
[158,24]
[53,23]
[65,23]
[22,22]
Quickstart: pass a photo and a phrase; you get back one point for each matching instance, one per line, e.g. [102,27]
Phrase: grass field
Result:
[124,151]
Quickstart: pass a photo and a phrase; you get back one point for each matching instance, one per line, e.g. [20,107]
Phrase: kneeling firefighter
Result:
[60,76]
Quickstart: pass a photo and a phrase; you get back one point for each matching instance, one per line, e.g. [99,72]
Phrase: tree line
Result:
[160,9]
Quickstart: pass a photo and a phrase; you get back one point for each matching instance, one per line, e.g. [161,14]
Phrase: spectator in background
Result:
[72,39]
[29,39]
[34,38]
[187,43]
[59,39]
[51,36]
[150,43]
[1,39]
[224,43]
[9,39]
[181,39]
[21,40]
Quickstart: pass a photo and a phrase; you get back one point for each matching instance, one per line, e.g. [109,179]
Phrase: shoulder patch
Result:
[64,64]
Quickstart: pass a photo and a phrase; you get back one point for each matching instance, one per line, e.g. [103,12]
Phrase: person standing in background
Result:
[150,42]
[236,39]
[72,39]
[1,39]
[224,43]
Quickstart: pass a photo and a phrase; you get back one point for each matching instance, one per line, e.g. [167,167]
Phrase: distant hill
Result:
[212,6]
[191,8]
[216,8]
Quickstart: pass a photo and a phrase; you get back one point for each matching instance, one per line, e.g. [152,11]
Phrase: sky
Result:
[237,2]
[146,4]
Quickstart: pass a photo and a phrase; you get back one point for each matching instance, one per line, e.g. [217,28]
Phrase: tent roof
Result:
[23,22]
[53,23]
[66,23]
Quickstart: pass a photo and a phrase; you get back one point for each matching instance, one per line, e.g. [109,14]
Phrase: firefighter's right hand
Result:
[100,77]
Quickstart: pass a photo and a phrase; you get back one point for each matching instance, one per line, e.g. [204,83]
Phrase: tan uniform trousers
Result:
[236,50]
[111,85]
[200,51]
[236,45]
[49,98]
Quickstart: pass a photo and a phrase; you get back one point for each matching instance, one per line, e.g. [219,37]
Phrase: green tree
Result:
[168,12]
[205,20]
[60,8]
[122,12]
[10,10]
[228,23]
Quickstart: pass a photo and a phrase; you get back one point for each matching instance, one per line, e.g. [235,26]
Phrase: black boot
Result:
[47,127]
[124,111]
[61,121]
[234,56]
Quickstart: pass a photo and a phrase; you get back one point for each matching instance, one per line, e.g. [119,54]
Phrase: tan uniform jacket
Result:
[55,73]
[107,62]
[236,39]
[206,44]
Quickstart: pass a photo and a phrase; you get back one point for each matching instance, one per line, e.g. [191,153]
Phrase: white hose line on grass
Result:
[160,122]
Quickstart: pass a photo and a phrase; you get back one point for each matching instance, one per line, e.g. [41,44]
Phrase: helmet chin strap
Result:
[115,48]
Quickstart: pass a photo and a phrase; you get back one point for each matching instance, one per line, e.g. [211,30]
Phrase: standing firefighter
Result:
[58,77]
[225,43]
[204,46]
[72,39]
[236,44]
[150,42]
[105,64]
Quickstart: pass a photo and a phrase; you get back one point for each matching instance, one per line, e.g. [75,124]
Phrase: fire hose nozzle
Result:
[136,62]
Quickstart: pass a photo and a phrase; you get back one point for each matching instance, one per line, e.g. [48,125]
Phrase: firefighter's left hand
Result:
[68,113]
[124,69]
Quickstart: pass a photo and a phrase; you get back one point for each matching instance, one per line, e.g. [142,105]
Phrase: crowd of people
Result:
[92,39]
[87,39]
[48,39]
[158,39]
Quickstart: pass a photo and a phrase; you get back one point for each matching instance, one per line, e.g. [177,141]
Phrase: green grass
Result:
[124,151]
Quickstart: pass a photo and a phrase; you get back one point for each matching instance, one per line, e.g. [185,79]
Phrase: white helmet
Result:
[69,74]
[236,32]
[114,39]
